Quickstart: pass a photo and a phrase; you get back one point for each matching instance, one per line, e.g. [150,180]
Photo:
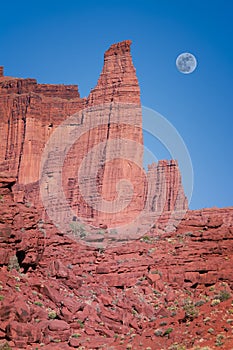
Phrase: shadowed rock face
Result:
[32,112]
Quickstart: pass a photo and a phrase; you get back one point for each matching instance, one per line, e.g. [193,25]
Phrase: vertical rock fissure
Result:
[7,139]
[27,102]
[109,118]
[82,118]
[108,133]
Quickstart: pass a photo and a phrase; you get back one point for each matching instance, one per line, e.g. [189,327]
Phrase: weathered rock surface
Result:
[162,290]
[31,113]
[118,81]
[166,290]
[166,192]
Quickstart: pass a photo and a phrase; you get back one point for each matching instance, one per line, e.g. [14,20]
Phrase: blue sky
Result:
[64,42]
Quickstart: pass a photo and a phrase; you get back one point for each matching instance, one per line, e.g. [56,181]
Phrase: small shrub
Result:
[38,303]
[215,302]
[145,239]
[52,314]
[80,323]
[191,311]
[230,320]
[177,346]
[156,272]
[101,250]
[211,330]
[223,295]
[158,332]
[156,292]
[2,297]
[189,234]
[200,303]
[5,346]
[76,335]
[167,331]
[100,232]
[219,339]
[78,229]
[13,263]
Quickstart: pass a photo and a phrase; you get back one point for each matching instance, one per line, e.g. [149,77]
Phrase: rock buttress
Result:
[31,112]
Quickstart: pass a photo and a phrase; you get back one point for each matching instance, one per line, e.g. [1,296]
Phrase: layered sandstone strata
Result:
[119,189]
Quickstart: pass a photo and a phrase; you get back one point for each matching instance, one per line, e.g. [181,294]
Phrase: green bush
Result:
[5,346]
[38,303]
[167,331]
[81,323]
[76,335]
[13,263]
[191,311]
[52,314]
[78,229]
[223,295]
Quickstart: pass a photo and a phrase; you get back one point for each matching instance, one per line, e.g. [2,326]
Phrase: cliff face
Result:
[28,117]
[111,116]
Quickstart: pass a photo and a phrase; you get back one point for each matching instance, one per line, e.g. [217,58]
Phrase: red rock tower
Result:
[116,97]
[32,112]
[1,71]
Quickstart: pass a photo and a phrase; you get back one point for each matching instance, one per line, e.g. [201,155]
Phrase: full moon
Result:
[186,63]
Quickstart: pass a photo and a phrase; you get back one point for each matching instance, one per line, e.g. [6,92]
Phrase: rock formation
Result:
[162,291]
[165,290]
[26,106]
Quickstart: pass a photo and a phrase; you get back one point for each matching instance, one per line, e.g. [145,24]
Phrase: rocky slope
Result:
[164,291]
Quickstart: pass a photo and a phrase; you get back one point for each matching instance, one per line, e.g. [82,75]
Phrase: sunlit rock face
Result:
[119,189]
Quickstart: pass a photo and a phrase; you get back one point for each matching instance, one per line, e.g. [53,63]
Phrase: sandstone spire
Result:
[117,81]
